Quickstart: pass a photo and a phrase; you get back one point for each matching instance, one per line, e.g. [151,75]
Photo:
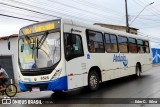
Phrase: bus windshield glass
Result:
[39,51]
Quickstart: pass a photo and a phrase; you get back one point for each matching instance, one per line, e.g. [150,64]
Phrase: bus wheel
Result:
[93,81]
[138,72]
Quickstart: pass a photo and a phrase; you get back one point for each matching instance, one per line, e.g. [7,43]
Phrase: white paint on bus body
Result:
[110,65]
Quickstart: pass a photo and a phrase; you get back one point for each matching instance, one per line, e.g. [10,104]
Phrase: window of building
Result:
[73,46]
[95,41]
[123,44]
[111,43]
[132,45]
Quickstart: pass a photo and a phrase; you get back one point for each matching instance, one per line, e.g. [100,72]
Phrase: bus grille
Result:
[41,86]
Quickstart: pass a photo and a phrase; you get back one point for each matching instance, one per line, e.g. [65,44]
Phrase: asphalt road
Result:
[147,86]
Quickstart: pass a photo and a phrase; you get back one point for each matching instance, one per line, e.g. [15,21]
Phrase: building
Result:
[8,58]
[117,27]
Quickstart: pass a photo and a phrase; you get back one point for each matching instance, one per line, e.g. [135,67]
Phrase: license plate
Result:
[35,89]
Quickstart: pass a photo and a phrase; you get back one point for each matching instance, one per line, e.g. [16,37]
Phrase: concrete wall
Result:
[13,52]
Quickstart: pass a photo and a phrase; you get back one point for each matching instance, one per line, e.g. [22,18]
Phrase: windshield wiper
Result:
[22,32]
[42,40]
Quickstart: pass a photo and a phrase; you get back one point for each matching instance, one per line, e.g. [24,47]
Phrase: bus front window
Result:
[40,51]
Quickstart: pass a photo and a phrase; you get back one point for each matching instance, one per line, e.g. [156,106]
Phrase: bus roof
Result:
[93,27]
[102,29]
[40,23]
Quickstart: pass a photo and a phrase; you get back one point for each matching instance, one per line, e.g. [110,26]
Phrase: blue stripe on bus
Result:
[58,84]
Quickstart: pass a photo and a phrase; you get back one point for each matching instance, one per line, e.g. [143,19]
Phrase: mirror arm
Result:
[22,47]
[37,46]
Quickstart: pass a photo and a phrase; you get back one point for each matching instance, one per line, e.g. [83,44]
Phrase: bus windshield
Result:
[39,51]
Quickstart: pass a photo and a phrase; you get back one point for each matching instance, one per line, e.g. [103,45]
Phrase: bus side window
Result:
[123,44]
[146,47]
[95,41]
[73,46]
[111,43]
[107,43]
[132,45]
[140,46]
[114,46]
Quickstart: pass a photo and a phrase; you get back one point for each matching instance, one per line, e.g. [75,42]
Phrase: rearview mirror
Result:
[22,47]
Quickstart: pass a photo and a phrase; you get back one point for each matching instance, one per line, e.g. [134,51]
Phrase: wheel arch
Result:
[138,64]
[97,70]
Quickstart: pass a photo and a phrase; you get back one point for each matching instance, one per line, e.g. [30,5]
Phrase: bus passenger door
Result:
[74,58]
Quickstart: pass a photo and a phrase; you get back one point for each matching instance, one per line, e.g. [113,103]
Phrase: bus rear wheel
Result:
[93,81]
[138,72]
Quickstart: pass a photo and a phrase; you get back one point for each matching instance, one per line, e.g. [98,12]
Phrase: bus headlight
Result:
[57,74]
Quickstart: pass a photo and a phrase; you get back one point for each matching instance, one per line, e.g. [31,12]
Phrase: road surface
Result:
[147,86]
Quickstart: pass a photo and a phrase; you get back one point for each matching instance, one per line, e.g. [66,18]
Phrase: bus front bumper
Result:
[57,84]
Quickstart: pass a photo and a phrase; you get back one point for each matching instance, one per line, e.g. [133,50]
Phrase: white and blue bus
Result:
[62,55]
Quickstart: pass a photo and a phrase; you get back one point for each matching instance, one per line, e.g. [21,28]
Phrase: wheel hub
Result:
[93,81]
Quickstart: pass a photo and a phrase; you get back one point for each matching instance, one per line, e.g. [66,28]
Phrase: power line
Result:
[36,11]
[153,8]
[77,18]
[141,12]
[21,14]
[69,16]
[149,19]
[47,14]
[95,6]
[84,10]
[157,5]
[150,27]
[38,21]
[92,13]
[148,15]
[149,36]
[18,18]
[61,4]
[26,9]
[149,9]
[142,5]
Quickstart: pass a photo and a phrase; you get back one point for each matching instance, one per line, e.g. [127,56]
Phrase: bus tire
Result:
[93,81]
[138,72]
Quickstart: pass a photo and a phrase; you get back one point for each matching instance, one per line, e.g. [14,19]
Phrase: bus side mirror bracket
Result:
[22,47]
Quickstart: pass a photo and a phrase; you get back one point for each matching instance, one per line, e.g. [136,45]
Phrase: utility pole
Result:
[127,24]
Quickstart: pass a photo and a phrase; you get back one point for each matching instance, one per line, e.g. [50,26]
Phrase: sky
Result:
[86,11]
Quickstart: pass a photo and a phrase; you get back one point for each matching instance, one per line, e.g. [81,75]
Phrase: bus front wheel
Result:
[93,81]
